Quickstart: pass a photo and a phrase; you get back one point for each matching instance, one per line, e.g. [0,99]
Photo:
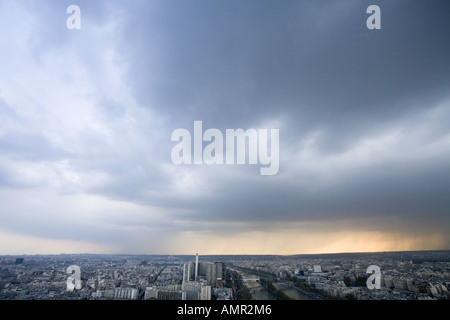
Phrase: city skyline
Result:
[419,275]
[87,115]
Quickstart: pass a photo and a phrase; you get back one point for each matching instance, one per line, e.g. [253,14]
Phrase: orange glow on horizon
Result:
[290,243]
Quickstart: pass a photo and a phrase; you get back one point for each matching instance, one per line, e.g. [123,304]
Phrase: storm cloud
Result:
[87,115]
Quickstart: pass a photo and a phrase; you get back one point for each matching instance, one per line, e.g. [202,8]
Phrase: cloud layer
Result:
[87,115]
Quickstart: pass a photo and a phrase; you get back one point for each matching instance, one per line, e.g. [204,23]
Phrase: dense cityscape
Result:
[419,275]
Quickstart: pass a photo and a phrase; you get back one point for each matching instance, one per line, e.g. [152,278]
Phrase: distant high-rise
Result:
[203,271]
[211,272]
[220,269]
[196,266]
[205,293]
[187,272]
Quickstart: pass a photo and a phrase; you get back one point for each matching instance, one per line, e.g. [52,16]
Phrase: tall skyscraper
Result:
[187,272]
[196,266]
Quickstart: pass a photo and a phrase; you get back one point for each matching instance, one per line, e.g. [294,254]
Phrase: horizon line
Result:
[223,254]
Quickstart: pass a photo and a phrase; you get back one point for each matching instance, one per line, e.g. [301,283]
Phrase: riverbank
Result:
[260,289]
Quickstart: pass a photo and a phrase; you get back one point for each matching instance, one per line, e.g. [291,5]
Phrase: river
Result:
[290,290]
[260,293]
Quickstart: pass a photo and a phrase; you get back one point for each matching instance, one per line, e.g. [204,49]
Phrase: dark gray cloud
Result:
[263,58]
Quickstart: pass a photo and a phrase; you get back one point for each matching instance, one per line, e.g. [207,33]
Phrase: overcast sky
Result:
[86,118]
